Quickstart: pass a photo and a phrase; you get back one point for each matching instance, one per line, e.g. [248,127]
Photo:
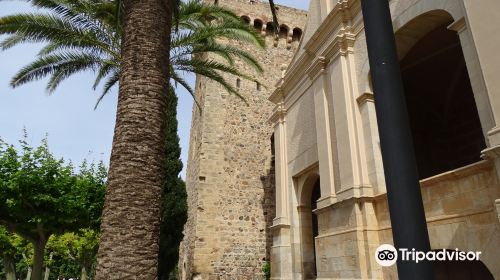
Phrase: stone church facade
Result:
[296,177]
[331,204]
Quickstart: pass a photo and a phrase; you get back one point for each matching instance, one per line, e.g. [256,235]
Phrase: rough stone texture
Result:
[230,179]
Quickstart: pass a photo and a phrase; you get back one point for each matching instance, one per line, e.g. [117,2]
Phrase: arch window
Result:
[245,19]
[283,31]
[297,34]
[270,28]
[257,24]
[444,120]
[316,194]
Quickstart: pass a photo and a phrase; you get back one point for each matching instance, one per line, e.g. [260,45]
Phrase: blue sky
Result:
[75,130]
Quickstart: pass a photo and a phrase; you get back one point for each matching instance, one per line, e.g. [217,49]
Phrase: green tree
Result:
[174,198]
[41,196]
[16,255]
[25,263]
[9,252]
[76,247]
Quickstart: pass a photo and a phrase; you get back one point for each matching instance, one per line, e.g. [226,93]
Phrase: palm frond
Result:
[65,70]
[38,28]
[12,41]
[194,13]
[112,80]
[179,80]
[82,35]
[59,65]
[226,30]
[106,68]
[228,50]
[211,69]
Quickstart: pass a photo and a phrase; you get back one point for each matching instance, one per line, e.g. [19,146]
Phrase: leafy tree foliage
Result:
[174,198]
[16,256]
[41,196]
[74,253]
[9,253]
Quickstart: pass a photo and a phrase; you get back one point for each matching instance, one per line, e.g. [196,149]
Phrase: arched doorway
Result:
[309,226]
[316,194]
[443,116]
[461,270]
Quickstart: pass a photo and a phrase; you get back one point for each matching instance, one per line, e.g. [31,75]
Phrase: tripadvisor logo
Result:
[387,255]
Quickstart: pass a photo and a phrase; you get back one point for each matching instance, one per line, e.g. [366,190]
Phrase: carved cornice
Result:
[280,222]
[278,94]
[342,44]
[278,115]
[459,25]
[339,20]
[304,208]
[279,226]
[335,36]
[317,67]
[365,97]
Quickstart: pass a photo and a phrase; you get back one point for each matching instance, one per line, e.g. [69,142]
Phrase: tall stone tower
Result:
[230,180]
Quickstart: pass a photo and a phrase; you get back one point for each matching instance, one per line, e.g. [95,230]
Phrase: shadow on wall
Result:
[269,201]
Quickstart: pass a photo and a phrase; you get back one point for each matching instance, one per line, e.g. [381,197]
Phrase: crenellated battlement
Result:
[258,14]
[291,32]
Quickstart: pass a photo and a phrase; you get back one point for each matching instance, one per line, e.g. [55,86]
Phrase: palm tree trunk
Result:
[130,223]
[9,267]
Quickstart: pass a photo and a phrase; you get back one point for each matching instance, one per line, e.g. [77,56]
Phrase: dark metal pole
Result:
[409,228]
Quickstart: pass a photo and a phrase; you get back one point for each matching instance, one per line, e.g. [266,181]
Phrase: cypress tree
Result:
[174,197]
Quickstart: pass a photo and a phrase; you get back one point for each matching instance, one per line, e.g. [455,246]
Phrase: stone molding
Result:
[317,67]
[458,173]
[345,22]
[493,154]
[494,136]
[365,97]
[278,115]
[497,208]
[458,25]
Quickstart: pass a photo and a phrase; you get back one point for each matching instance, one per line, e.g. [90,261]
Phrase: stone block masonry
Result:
[230,176]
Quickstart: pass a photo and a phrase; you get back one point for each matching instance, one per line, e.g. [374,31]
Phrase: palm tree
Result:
[85,35]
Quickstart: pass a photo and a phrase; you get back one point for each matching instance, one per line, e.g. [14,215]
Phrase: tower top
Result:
[259,9]
[258,14]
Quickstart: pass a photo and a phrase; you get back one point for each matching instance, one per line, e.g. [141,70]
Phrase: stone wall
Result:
[230,180]
[459,208]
